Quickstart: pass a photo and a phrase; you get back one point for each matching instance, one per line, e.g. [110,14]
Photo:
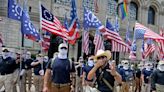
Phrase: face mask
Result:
[5,55]
[45,59]
[161,68]
[28,56]
[63,51]
[148,68]
[126,66]
[90,62]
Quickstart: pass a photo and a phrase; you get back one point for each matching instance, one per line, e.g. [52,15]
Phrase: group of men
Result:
[60,74]
[16,71]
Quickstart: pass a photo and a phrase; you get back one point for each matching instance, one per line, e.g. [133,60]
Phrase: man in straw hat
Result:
[157,79]
[105,71]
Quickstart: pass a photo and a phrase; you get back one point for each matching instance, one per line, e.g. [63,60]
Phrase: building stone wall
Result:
[10,29]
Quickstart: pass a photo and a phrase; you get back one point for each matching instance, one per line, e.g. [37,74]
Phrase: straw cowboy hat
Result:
[161,62]
[99,53]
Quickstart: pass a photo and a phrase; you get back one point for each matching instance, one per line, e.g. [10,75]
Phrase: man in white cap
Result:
[61,69]
[157,79]
[146,73]
[127,75]
[105,71]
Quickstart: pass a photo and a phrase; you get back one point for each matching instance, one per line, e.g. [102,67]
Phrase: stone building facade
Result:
[148,12]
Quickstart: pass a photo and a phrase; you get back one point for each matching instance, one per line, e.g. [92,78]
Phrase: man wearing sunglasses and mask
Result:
[157,78]
[61,69]
[127,76]
[7,67]
[105,71]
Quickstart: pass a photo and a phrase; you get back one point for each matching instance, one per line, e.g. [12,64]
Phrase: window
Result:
[151,16]
[89,4]
[30,8]
[63,2]
[111,7]
[133,11]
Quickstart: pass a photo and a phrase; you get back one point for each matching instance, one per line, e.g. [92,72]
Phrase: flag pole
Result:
[40,31]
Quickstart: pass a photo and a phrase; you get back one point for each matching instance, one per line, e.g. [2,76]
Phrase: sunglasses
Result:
[63,48]
[101,57]
[90,59]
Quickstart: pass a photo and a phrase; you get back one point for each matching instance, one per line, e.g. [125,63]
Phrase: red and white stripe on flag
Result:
[160,48]
[99,43]
[118,45]
[46,42]
[85,42]
[148,49]
[54,27]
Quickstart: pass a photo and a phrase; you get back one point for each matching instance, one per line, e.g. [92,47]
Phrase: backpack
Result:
[53,60]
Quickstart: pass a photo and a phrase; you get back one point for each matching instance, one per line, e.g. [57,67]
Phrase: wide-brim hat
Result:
[100,53]
[161,62]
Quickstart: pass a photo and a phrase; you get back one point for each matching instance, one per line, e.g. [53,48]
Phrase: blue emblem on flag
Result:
[90,20]
[28,28]
[109,25]
[15,11]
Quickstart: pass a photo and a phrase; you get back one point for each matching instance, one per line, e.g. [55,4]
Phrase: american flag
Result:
[66,22]
[133,51]
[46,41]
[51,24]
[85,41]
[160,46]
[118,45]
[142,32]
[116,25]
[98,41]
[127,37]
[148,48]
[15,11]
[74,24]
[109,25]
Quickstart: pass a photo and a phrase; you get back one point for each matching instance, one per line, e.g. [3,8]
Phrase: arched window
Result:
[111,7]
[63,2]
[151,16]
[89,4]
[133,11]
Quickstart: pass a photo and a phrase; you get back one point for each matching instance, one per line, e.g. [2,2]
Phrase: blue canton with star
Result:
[90,20]
[139,34]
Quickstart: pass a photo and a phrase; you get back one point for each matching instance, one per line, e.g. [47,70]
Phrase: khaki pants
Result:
[159,88]
[78,84]
[146,87]
[125,87]
[7,81]
[55,88]
[15,79]
[38,83]
[26,77]
[137,85]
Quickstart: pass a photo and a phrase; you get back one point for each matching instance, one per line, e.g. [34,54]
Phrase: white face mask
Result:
[126,66]
[161,68]
[63,51]
[5,55]
[148,68]
[45,59]
[90,62]
[28,56]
